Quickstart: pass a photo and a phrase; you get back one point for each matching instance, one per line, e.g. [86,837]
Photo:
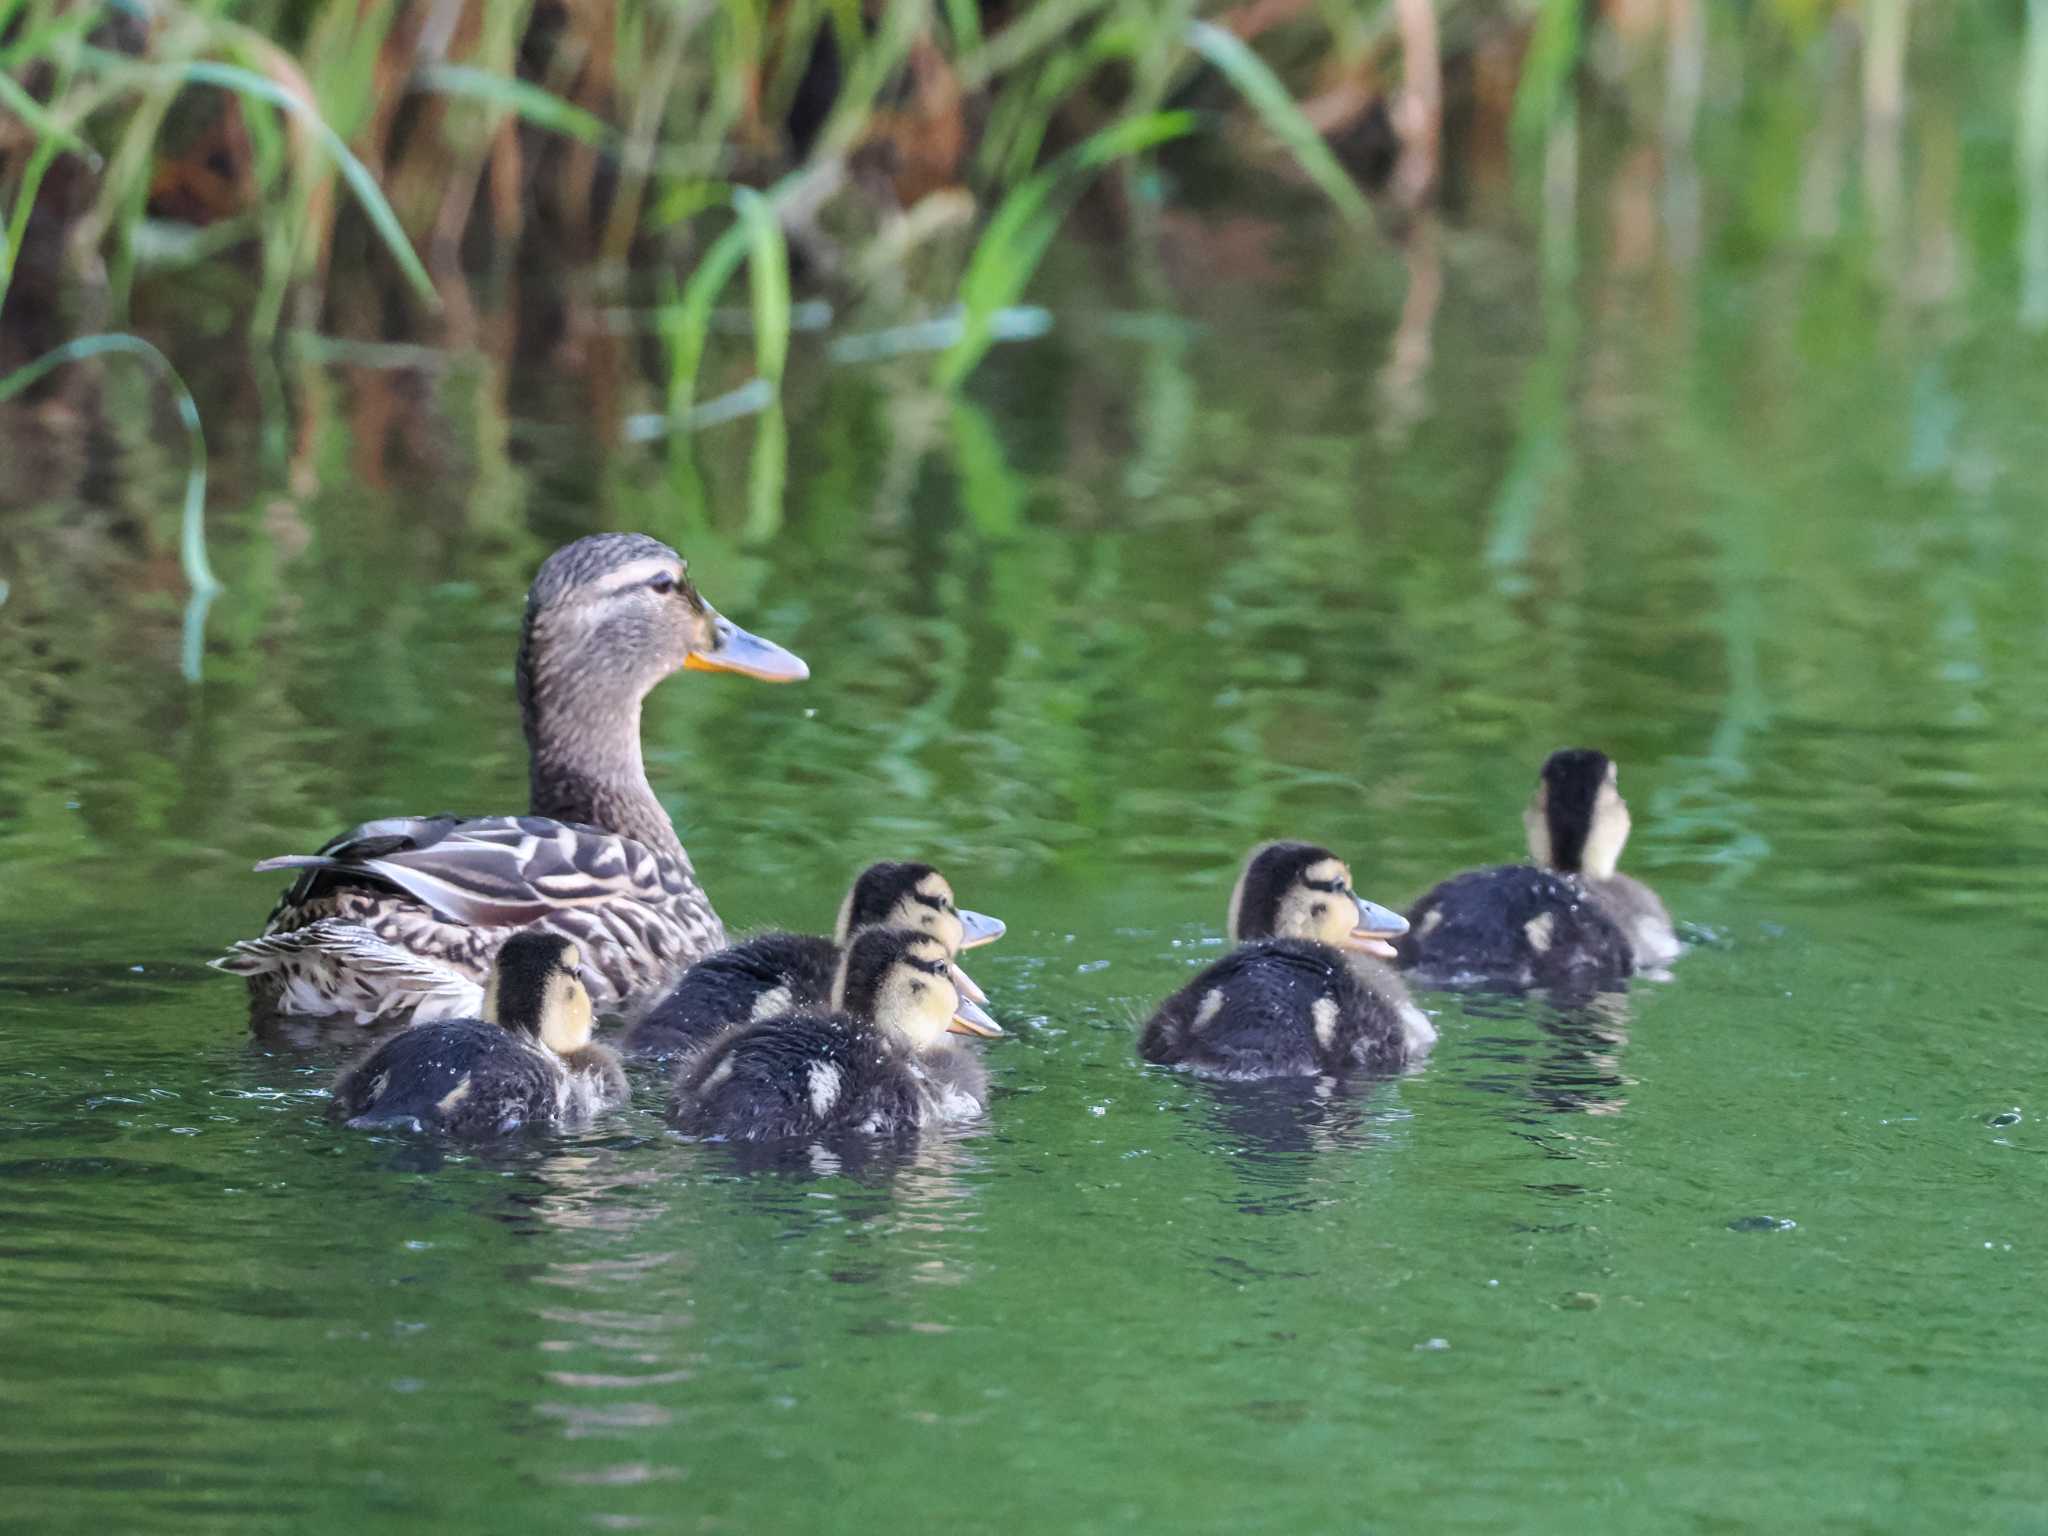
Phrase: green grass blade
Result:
[768,275]
[43,40]
[541,107]
[361,183]
[1256,82]
[39,117]
[1546,74]
[353,171]
[1015,241]
[963,19]
[688,322]
[192,526]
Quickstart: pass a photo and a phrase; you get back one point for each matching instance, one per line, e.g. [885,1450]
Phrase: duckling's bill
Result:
[970,1018]
[979,928]
[734,650]
[1376,926]
[965,984]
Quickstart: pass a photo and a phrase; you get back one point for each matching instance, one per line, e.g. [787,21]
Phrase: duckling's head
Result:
[897,894]
[903,981]
[1301,891]
[615,613]
[915,898]
[1577,820]
[536,990]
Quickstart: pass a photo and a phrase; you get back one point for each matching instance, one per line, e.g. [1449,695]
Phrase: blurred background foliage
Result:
[385,171]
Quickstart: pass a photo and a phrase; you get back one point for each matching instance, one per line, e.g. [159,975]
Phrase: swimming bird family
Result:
[494,941]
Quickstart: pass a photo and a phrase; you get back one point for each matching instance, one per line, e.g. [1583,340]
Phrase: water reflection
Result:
[1274,1132]
[1545,1057]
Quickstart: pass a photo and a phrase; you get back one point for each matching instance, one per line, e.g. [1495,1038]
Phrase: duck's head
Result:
[916,899]
[1300,891]
[904,982]
[615,613]
[1577,820]
[536,990]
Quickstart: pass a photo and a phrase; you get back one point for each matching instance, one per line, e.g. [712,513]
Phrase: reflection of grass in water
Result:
[192,522]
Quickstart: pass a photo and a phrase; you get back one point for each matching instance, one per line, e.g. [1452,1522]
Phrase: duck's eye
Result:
[664,583]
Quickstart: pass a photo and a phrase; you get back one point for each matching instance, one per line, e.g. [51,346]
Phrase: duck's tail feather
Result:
[295,861]
[336,966]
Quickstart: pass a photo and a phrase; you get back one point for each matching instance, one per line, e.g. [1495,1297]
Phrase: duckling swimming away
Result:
[529,1062]
[401,916]
[779,973]
[1304,993]
[877,1063]
[1568,919]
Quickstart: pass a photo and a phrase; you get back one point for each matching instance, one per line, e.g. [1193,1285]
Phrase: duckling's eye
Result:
[664,583]
[917,986]
[1319,909]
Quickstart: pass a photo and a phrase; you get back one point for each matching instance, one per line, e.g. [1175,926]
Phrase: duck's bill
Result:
[965,985]
[979,928]
[970,1018]
[1377,927]
[734,650]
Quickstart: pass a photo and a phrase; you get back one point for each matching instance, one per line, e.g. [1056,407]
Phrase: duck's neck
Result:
[584,747]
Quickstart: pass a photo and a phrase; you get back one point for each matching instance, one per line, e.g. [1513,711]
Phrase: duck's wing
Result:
[338,967]
[489,871]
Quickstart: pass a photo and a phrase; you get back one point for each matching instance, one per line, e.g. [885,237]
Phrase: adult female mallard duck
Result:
[527,1063]
[778,973]
[403,914]
[1568,918]
[1304,993]
[876,1063]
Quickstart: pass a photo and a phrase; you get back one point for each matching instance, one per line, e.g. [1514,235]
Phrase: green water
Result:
[1755,1251]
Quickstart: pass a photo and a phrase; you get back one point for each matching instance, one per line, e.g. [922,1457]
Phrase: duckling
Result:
[1299,996]
[1568,918]
[877,1063]
[778,973]
[1578,822]
[401,916]
[528,1062]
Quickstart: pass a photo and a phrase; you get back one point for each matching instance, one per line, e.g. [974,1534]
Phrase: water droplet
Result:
[1434,1344]
[2009,1117]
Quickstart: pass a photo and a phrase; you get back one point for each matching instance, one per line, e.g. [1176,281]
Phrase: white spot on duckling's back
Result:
[1211,1005]
[1656,943]
[1416,1029]
[1430,920]
[824,1081]
[1324,1011]
[454,1096]
[772,1004]
[1537,931]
